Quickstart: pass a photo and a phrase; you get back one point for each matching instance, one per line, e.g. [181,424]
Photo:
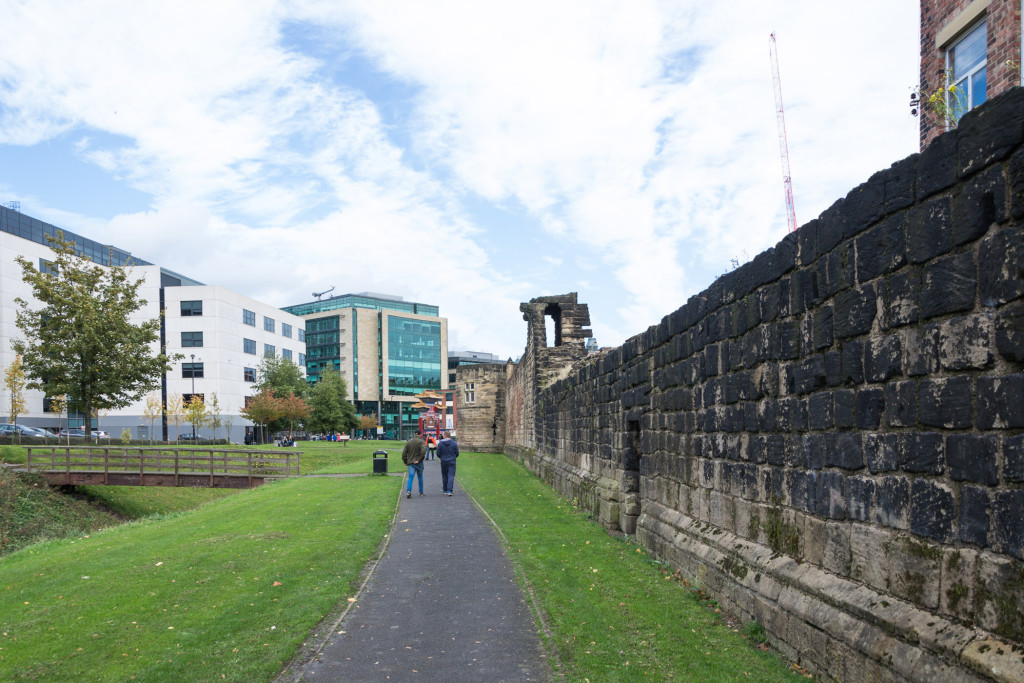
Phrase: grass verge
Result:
[225,592]
[614,613]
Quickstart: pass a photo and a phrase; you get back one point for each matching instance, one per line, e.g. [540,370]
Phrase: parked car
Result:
[80,433]
[189,437]
[11,429]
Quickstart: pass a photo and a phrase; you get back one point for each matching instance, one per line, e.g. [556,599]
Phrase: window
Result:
[250,374]
[302,359]
[194,370]
[249,346]
[249,317]
[470,392]
[966,65]
[268,324]
[286,353]
[248,400]
[191,308]
[191,339]
[46,267]
[269,350]
[286,330]
[187,398]
[302,334]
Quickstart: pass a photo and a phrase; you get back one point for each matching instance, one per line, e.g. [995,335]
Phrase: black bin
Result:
[380,462]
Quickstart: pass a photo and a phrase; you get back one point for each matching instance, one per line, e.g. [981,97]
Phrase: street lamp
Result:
[193,394]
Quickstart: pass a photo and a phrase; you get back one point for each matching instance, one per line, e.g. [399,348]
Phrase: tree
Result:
[368,423]
[293,409]
[214,418]
[331,409]
[57,405]
[78,336]
[281,376]
[153,411]
[14,382]
[175,412]
[195,413]
[263,409]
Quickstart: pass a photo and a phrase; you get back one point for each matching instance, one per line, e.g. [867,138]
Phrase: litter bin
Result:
[380,462]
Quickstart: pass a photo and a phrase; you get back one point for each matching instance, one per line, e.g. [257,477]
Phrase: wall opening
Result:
[553,325]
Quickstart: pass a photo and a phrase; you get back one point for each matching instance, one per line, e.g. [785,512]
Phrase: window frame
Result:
[248,344]
[192,308]
[269,324]
[248,317]
[965,82]
[191,343]
[188,370]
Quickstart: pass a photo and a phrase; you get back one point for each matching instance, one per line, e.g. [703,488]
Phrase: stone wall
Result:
[830,439]
[481,423]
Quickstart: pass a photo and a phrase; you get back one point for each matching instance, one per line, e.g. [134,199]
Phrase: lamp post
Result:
[193,394]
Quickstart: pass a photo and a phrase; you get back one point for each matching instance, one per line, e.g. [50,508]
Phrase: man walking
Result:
[412,455]
[447,452]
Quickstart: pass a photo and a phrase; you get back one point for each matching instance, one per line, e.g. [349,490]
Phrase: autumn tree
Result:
[153,411]
[214,417]
[331,409]
[58,404]
[175,412]
[294,409]
[14,382]
[368,423]
[78,336]
[195,413]
[263,409]
[280,376]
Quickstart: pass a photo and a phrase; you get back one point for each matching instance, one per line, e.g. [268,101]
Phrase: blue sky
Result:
[471,155]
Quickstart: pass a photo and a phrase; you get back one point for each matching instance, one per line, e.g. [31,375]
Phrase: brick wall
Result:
[830,439]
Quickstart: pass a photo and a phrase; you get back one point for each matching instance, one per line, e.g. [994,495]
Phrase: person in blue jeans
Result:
[447,452]
[412,455]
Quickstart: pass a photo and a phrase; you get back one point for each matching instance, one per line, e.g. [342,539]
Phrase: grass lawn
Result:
[614,613]
[225,592]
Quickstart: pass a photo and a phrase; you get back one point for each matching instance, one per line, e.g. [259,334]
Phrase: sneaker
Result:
[409,494]
[422,494]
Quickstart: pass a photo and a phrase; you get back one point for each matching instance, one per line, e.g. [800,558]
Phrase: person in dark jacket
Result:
[447,452]
[412,455]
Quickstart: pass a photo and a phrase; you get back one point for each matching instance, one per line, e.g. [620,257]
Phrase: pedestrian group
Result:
[417,450]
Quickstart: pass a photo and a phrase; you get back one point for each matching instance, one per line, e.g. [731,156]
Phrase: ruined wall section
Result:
[830,439]
[481,425]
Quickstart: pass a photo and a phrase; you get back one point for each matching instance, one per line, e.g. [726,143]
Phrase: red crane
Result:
[780,114]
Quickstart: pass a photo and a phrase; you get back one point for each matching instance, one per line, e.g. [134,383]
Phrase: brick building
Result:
[972,45]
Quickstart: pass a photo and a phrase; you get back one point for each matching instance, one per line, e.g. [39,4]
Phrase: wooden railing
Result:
[160,466]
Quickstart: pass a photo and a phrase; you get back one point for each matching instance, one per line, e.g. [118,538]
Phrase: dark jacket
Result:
[447,450]
[415,450]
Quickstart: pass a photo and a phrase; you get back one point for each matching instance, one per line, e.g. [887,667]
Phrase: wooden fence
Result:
[160,466]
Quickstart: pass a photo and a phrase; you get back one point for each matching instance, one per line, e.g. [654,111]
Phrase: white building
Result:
[221,334]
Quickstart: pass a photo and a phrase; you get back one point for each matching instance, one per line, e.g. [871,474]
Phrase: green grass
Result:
[614,613]
[230,589]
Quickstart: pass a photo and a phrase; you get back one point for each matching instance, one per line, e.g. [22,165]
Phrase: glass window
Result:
[302,335]
[286,330]
[470,392]
[46,267]
[966,64]
[191,339]
[269,350]
[286,353]
[191,307]
[268,324]
[414,355]
[302,359]
[249,317]
[187,398]
[250,374]
[249,345]
[191,370]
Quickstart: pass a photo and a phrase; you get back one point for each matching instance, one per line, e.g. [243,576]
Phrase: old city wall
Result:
[830,438]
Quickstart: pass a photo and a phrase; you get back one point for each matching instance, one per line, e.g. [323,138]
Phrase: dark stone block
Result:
[813,451]
[711,360]
[1007,530]
[900,182]
[970,457]
[964,343]
[901,400]
[854,312]
[1013,459]
[922,351]
[806,292]
[1016,173]
[991,132]
[829,495]
[801,487]
[845,408]
[929,230]
[775,449]
[870,406]
[932,510]
[936,168]
[1010,332]
[831,227]
[844,450]
[788,341]
[809,374]
[902,293]
[980,204]
[822,328]
[893,506]
[881,453]
[881,249]
[833,368]
[1001,402]
[921,452]
[852,363]
[948,285]
[820,412]
[840,269]
[860,495]
[974,507]
[945,403]
[1001,277]
[807,239]
[883,359]
[864,204]
[784,259]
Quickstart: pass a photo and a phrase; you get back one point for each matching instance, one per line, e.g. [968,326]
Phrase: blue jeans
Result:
[416,469]
[448,475]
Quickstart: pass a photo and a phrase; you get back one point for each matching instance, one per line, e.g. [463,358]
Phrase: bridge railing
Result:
[163,461]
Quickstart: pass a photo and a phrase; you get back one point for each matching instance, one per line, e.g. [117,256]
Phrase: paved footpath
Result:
[443,603]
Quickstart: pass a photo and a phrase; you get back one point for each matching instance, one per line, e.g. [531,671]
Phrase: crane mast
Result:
[780,115]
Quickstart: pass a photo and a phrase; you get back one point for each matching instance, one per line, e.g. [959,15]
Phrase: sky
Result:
[467,154]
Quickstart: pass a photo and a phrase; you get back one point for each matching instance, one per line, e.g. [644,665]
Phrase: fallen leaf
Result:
[277,583]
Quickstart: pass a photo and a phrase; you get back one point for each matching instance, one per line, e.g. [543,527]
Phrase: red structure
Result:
[780,115]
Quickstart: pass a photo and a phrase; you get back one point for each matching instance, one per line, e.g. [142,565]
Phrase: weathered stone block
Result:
[814,451]
[830,495]
[902,296]
[937,166]
[870,406]
[837,557]
[980,204]
[1016,175]
[1007,529]
[945,403]
[990,133]
[901,402]
[893,502]
[860,497]
[999,600]
[964,343]
[820,410]
[1010,332]
[932,510]
[880,452]
[869,557]
[1001,402]
[881,249]
[948,285]
[921,452]
[929,230]
[854,312]
[971,457]
[914,564]
[1002,278]
[1013,458]
[852,362]
[958,579]
[922,350]
[974,517]
[883,358]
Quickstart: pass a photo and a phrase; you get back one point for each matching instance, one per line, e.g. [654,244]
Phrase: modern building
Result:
[974,46]
[457,359]
[387,349]
[222,335]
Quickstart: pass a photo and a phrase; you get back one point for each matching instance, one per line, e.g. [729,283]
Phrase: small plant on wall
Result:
[946,101]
